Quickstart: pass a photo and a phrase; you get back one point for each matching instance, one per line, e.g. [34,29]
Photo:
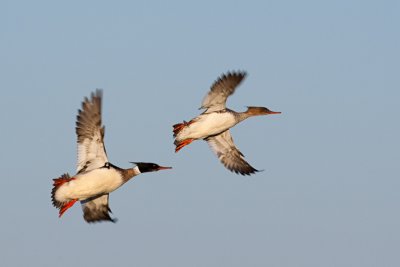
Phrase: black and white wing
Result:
[96,209]
[222,145]
[90,133]
[221,89]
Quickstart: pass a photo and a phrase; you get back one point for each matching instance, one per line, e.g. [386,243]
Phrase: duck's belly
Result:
[84,186]
[207,125]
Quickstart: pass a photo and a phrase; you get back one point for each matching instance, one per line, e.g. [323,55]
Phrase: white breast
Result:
[99,181]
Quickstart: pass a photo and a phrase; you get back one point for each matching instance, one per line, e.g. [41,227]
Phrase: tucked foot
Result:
[180,145]
[179,126]
[66,206]
[62,180]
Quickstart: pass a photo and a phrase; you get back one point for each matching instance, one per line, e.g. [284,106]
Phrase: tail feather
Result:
[56,185]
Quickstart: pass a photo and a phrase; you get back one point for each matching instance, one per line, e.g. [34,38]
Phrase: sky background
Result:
[329,192]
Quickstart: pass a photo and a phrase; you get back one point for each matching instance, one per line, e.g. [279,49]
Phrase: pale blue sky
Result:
[329,195]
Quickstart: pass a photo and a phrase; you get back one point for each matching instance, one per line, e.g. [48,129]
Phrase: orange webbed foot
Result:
[62,180]
[66,206]
[183,143]
[179,126]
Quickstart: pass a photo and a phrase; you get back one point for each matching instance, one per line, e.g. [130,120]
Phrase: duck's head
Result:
[254,111]
[149,167]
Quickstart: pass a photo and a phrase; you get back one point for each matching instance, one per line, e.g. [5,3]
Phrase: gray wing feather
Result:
[221,89]
[222,145]
[90,134]
[96,209]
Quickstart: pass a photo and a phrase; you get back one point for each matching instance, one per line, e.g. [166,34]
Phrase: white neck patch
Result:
[136,169]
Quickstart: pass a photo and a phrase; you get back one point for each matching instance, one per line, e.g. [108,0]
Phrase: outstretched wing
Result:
[222,145]
[90,133]
[96,209]
[221,89]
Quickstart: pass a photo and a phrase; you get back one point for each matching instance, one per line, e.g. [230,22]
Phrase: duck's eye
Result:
[107,165]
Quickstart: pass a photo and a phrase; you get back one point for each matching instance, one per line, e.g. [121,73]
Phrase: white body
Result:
[207,125]
[86,185]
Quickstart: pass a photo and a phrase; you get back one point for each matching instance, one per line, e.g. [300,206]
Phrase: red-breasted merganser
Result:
[96,177]
[214,123]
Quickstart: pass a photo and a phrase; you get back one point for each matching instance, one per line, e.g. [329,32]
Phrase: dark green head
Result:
[149,167]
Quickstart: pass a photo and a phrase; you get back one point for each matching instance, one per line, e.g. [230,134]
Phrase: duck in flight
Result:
[214,123]
[96,177]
